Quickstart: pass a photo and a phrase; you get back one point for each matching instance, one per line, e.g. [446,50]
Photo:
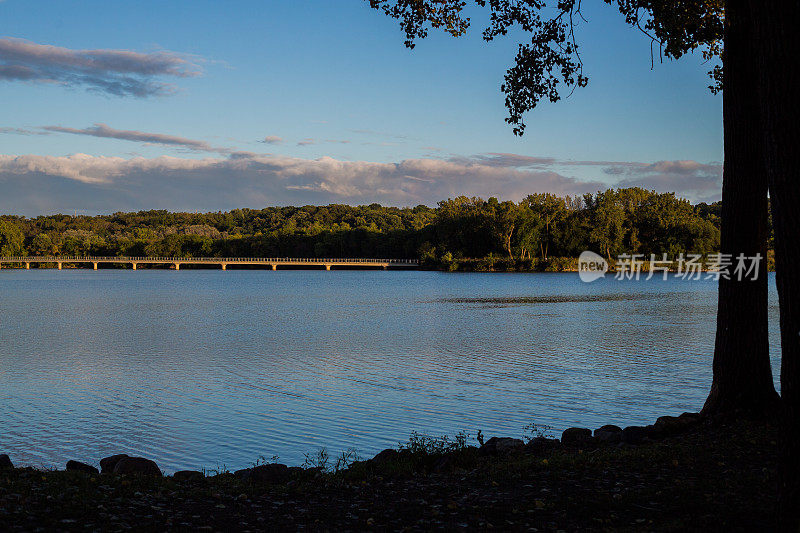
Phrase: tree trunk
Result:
[742,381]
[776,46]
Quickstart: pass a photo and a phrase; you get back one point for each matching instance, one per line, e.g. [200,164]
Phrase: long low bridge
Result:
[223,262]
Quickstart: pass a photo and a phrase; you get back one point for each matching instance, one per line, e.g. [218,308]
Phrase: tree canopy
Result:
[540,226]
[548,62]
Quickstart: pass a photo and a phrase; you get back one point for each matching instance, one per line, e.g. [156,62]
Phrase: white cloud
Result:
[32,183]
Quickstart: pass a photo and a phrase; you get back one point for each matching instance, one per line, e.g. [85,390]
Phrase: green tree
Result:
[507,221]
[42,244]
[551,210]
[11,239]
[529,233]
[607,218]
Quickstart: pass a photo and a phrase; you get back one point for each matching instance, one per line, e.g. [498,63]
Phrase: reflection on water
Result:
[556,298]
[202,368]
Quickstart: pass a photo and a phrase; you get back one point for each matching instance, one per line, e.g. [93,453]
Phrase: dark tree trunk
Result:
[776,46]
[742,380]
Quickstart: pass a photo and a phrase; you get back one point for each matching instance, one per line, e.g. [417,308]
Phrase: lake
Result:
[211,369]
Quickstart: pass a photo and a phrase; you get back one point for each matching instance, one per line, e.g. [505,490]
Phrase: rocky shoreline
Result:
[610,478]
[664,426]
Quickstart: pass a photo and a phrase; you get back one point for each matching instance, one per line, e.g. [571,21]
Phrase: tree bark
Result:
[742,381]
[776,46]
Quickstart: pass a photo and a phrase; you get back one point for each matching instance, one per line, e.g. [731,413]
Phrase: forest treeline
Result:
[479,234]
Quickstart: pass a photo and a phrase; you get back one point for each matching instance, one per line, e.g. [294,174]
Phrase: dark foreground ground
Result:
[712,478]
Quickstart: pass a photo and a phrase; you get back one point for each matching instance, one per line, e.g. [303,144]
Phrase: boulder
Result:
[666,426]
[385,455]
[5,462]
[188,475]
[608,434]
[77,466]
[635,434]
[576,436]
[107,464]
[501,445]
[299,471]
[690,419]
[138,466]
[270,473]
[542,445]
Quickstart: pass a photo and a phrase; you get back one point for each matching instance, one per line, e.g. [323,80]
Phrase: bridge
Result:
[223,262]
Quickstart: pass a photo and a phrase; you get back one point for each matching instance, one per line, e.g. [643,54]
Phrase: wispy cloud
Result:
[272,139]
[22,131]
[115,72]
[310,141]
[514,160]
[104,131]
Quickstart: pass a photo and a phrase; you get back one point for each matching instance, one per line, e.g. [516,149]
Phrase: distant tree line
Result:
[510,235]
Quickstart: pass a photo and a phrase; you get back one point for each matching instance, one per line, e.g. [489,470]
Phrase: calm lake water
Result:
[204,368]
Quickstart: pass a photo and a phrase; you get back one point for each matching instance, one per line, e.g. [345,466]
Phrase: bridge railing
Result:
[145,259]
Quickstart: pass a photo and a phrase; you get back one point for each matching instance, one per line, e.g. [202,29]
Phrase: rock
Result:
[77,466]
[5,462]
[501,445]
[542,445]
[107,464]
[137,465]
[385,455]
[188,475]
[690,418]
[608,434]
[296,470]
[271,473]
[635,434]
[574,436]
[666,426]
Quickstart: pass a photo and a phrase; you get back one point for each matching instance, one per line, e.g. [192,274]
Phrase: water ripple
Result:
[205,368]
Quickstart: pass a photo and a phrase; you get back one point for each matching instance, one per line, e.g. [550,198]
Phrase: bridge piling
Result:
[133,266]
[27,266]
[94,265]
[224,266]
[59,266]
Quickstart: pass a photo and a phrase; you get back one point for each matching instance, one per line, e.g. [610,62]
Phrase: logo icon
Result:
[591,266]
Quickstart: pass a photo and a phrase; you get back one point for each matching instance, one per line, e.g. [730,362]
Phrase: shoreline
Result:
[681,472]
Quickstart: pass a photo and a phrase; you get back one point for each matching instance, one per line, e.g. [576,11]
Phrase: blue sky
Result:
[350,114]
